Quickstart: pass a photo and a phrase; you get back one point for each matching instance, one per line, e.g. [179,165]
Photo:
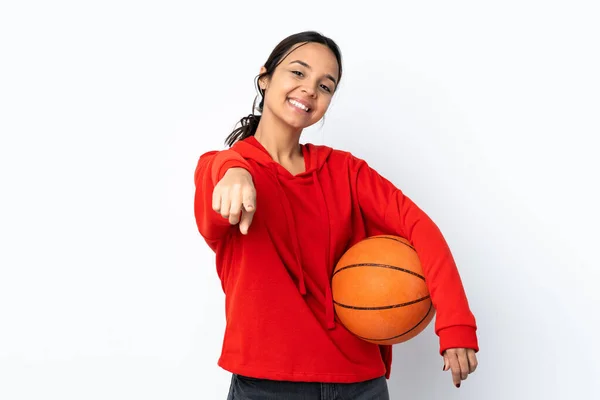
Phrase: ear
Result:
[262,83]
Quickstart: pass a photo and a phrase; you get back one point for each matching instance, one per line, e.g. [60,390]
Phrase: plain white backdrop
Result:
[484,113]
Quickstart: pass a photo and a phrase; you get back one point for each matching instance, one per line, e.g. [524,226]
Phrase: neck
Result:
[279,139]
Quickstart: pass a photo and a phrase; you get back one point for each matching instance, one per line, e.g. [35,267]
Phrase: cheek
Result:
[323,105]
[276,95]
[271,100]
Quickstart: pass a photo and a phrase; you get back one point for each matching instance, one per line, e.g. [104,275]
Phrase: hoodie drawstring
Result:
[292,225]
[329,311]
[299,270]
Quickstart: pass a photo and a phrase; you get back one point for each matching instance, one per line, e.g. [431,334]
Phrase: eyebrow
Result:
[308,66]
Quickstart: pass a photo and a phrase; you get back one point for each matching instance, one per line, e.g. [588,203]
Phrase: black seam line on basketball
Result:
[404,333]
[390,238]
[379,266]
[381,307]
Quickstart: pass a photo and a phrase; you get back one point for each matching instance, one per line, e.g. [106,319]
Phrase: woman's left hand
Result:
[462,362]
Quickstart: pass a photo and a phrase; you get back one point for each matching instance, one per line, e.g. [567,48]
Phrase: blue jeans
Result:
[245,388]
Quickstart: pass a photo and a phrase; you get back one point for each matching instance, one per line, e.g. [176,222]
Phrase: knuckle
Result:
[249,191]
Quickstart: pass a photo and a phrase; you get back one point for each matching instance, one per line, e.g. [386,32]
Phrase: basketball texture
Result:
[379,291]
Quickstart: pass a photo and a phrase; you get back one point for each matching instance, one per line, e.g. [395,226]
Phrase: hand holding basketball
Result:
[234,198]
[462,362]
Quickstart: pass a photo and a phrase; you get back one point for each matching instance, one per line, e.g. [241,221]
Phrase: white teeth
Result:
[299,105]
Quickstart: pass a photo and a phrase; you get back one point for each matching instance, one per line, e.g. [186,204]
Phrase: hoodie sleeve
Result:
[386,209]
[209,171]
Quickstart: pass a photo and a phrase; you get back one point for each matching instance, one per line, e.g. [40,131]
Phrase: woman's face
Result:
[300,89]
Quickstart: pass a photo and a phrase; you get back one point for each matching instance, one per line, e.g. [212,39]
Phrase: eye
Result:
[298,73]
[326,88]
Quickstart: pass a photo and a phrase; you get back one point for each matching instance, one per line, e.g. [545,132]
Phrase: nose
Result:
[309,90]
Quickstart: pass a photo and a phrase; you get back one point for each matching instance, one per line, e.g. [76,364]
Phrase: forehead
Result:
[318,56]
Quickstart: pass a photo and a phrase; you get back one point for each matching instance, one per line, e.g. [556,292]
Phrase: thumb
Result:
[249,199]
[249,206]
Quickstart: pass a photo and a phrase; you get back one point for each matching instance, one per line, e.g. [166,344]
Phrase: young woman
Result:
[279,214]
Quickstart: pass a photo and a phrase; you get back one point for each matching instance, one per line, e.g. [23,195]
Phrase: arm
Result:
[386,209]
[211,168]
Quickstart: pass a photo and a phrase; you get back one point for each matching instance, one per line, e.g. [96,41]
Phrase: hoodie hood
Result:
[315,157]
[315,160]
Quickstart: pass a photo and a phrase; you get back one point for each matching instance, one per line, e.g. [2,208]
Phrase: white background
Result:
[485,113]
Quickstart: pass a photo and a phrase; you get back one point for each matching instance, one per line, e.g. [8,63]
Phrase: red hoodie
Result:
[280,317]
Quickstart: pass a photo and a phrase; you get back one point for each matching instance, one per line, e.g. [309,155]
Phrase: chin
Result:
[302,126]
[294,123]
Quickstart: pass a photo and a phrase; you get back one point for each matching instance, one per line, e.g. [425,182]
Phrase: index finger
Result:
[246,221]
[455,368]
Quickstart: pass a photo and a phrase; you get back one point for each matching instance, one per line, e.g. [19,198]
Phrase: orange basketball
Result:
[379,291]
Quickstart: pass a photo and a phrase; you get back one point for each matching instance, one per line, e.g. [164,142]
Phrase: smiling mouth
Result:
[299,105]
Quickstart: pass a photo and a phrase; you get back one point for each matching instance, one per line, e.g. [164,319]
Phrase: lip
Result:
[303,102]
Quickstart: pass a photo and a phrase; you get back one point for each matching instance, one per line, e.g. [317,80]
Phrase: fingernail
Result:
[458,385]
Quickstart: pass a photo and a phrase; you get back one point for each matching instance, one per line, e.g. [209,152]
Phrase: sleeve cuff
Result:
[223,161]
[459,336]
